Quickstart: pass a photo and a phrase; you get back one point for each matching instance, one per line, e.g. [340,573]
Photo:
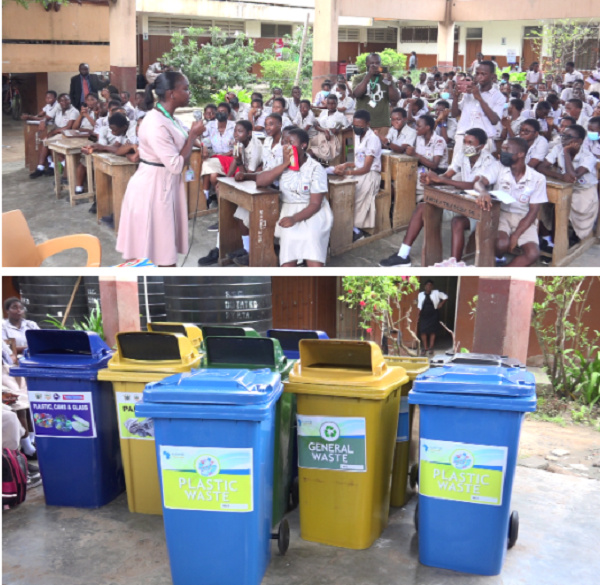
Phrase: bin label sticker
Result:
[65,415]
[336,443]
[403,421]
[131,426]
[462,472]
[207,478]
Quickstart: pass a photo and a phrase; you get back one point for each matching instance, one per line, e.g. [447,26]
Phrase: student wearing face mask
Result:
[367,168]
[239,111]
[321,97]
[592,142]
[518,220]
[475,164]
[576,165]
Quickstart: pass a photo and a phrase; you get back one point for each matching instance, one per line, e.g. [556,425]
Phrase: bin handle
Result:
[319,354]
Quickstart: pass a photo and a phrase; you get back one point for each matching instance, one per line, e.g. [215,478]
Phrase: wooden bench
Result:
[32,132]
[196,200]
[112,174]
[341,196]
[70,148]
[403,173]
[263,205]
[436,200]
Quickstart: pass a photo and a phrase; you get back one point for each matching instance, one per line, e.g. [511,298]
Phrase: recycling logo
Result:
[330,431]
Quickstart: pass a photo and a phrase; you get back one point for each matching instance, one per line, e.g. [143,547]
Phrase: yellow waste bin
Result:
[191,331]
[348,400]
[413,366]
[143,357]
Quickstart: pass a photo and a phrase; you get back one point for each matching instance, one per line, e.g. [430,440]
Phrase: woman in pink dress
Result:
[154,217]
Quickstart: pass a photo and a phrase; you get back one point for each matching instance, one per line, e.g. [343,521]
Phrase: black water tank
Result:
[220,300]
[50,295]
[156,297]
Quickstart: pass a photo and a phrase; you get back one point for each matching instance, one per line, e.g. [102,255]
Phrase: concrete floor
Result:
[65,546]
[50,218]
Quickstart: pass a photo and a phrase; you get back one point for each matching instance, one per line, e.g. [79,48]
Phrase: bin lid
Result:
[290,339]
[50,348]
[191,331]
[333,367]
[476,359]
[227,331]
[413,365]
[237,387]
[244,352]
[149,351]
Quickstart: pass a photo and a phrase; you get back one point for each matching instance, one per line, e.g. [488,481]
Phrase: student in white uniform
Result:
[87,114]
[305,118]
[367,168]
[305,219]
[257,115]
[537,145]
[326,145]
[571,74]
[400,134]
[278,107]
[139,110]
[47,113]
[293,102]
[518,220]
[515,116]
[574,108]
[534,76]
[476,164]
[576,165]
[592,142]
[346,104]
[129,108]
[321,97]
[445,124]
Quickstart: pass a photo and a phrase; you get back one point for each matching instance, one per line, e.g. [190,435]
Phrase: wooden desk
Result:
[403,172]
[196,201]
[341,196]
[263,205]
[112,174]
[438,199]
[70,148]
[32,133]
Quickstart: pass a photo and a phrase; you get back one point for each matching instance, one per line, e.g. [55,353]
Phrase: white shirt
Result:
[538,150]
[129,110]
[571,77]
[85,123]
[252,156]
[530,190]
[321,99]
[221,143]
[368,145]
[473,116]
[17,333]
[107,138]
[485,166]
[406,136]
[286,120]
[347,103]
[583,119]
[292,108]
[101,122]
[436,297]
[139,113]
[435,147]
[451,127]
[533,77]
[61,119]
[50,110]
[593,147]
[296,186]
[335,120]
[271,156]
[584,158]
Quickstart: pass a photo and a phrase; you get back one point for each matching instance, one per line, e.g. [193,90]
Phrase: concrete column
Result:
[123,53]
[120,305]
[445,44]
[503,316]
[41,87]
[325,42]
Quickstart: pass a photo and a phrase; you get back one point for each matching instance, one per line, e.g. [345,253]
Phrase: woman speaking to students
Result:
[154,215]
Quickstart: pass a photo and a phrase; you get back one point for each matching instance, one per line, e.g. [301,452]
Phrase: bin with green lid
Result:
[227,331]
[348,401]
[413,366]
[143,357]
[254,353]
[191,331]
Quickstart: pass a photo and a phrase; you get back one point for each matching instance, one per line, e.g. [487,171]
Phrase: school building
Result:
[44,48]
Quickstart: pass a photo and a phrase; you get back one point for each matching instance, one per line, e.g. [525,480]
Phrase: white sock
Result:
[50,160]
[246,243]
[40,167]
[207,194]
[51,165]
[78,189]
[27,447]
[217,239]
[356,230]
[502,259]
[549,240]
[404,251]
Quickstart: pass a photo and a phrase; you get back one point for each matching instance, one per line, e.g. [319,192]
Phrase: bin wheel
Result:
[513,529]
[283,536]
[414,475]
[295,493]
[416,518]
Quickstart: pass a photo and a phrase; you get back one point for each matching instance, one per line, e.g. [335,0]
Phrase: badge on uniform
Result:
[372,104]
[189,175]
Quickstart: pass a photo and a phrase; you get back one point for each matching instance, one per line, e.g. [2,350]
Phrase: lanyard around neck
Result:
[161,109]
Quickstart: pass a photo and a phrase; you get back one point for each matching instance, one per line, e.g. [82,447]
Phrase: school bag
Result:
[14,478]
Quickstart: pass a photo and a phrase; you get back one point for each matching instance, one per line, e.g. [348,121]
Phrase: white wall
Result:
[60,82]
[253,28]
[512,31]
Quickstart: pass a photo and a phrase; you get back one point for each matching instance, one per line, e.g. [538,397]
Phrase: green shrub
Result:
[243,95]
[396,62]
[280,74]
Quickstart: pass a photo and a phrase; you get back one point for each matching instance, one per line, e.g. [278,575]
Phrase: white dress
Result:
[308,239]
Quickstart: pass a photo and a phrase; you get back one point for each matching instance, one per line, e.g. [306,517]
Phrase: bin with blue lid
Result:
[470,423]
[290,339]
[214,431]
[74,417]
[256,353]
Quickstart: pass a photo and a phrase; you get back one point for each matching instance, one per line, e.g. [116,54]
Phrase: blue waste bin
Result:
[74,415]
[290,339]
[215,432]
[470,422]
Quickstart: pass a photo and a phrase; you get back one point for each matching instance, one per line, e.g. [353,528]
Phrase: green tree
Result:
[222,63]
[396,62]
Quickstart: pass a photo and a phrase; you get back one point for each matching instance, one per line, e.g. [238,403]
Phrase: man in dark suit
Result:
[83,84]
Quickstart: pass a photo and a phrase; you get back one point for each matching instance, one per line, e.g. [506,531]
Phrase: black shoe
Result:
[213,202]
[49,172]
[395,260]
[37,173]
[573,240]
[64,181]
[546,260]
[108,220]
[242,260]
[239,252]
[33,457]
[213,228]
[211,258]
[93,209]
[545,246]
[501,261]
